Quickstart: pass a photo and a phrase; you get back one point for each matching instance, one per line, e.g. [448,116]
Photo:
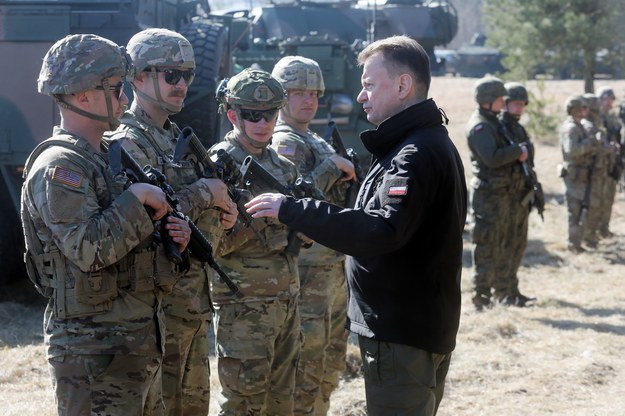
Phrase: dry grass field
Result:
[563,356]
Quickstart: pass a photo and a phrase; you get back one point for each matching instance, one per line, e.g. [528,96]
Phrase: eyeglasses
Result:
[117,89]
[172,76]
[255,116]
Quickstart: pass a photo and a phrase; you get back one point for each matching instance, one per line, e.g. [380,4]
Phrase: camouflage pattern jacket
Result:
[254,257]
[311,154]
[151,145]
[578,148]
[88,227]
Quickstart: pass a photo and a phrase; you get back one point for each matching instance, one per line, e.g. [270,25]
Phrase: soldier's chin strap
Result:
[110,118]
[254,143]
[158,101]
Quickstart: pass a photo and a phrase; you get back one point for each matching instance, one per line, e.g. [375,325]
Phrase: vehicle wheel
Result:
[212,63]
[12,241]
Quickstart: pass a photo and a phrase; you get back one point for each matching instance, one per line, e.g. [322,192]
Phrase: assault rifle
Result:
[225,169]
[536,196]
[198,245]
[255,172]
[333,136]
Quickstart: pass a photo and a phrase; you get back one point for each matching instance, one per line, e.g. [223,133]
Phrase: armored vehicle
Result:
[227,36]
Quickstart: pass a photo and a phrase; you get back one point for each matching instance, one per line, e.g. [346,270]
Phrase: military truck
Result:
[227,36]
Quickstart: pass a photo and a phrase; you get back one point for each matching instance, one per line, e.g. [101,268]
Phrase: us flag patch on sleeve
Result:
[398,190]
[67,177]
[286,150]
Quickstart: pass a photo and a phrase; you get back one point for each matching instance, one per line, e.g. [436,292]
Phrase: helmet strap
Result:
[254,143]
[112,121]
[158,101]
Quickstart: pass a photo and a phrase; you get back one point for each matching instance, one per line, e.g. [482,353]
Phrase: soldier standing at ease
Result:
[258,336]
[598,175]
[520,192]
[89,241]
[613,128]
[323,292]
[494,160]
[164,65]
[578,151]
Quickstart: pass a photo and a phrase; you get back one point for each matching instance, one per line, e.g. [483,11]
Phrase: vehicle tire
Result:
[12,241]
[212,64]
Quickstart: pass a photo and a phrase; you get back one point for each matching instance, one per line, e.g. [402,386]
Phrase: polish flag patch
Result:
[398,190]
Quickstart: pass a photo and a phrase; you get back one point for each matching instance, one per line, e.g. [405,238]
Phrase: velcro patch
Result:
[67,177]
[286,150]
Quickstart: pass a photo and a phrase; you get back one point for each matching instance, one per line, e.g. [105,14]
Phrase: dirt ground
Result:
[563,356]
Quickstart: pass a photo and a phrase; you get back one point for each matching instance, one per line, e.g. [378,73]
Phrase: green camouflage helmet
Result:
[299,73]
[515,91]
[606,92]
[574,102]
[160,48]
[592,101]
[79,63]
[252,88]
[488,89]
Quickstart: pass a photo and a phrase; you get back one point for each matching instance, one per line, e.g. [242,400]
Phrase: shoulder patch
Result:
[67,177]
[286,149]
[398,190]
[479,127]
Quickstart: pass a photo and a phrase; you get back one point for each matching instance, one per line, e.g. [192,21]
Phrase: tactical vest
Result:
[76,292]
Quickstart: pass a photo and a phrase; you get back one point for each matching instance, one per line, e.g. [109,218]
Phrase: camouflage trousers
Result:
[186,370]
[506,281]
[596,206]
[609,194]
[258,345]
[322,358]
[112,385]
[489,239]
[574,197]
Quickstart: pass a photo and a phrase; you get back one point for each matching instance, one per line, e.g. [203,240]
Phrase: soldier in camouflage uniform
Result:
[258,336]
[599,172]
[494,161]
[89,242]
[323,292]
[520,192]
[578,152]
[613,127]
[164,65]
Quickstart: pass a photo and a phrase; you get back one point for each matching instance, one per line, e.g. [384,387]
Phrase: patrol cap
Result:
[573,102]
[488,89]
[592,101]
[158,47]
[298,72]
[252,88]
[79,63]
[605,92]
[516,92]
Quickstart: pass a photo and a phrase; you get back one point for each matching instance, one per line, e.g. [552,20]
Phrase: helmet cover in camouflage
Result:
[299,73]
[574,102]
[592,101]
[160,48]
[80,63]
[606,92]
[253,88]
[516,92]
[488,89]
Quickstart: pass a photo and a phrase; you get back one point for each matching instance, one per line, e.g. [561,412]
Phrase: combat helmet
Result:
[80,63]
[515,91]
[606,92]
[488,89]
[592,101]
[160,48]
[251,88]
[574,102]
[298,72]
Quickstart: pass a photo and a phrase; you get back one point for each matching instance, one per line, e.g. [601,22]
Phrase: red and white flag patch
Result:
[397,190]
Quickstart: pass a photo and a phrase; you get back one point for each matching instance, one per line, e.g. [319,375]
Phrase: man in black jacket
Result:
[403,238]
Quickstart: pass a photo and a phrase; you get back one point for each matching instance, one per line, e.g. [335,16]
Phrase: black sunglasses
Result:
[255,116]
[172,76]
[117,89]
